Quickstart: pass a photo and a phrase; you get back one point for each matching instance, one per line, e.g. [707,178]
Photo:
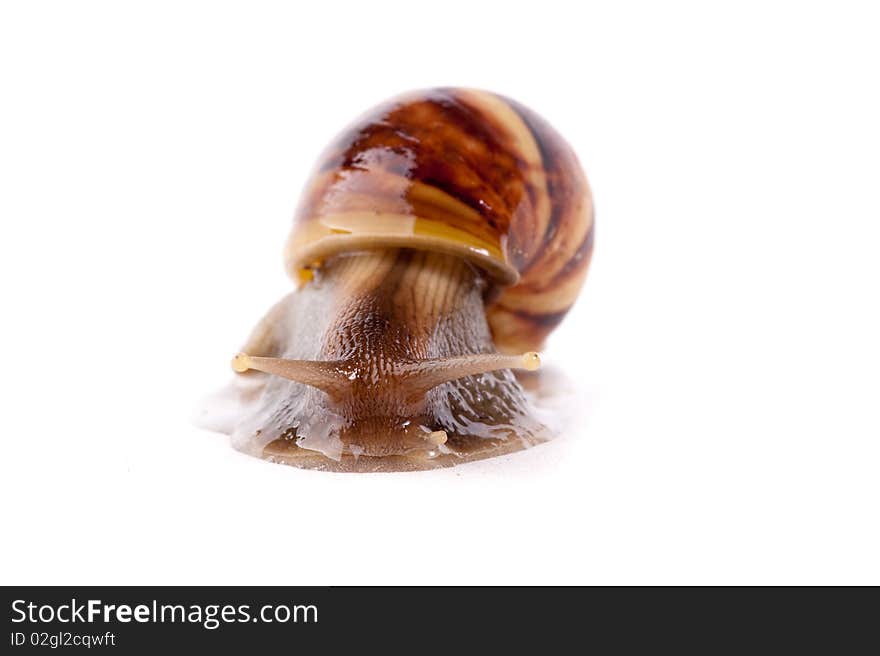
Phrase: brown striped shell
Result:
[464,172]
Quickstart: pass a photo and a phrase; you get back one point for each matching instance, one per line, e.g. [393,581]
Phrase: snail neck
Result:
[403,319]
[402,305]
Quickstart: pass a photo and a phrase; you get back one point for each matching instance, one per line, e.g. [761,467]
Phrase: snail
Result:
[440,239]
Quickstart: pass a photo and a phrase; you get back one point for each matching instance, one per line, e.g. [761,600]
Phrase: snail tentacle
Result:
[416,378]
[426,374]
[325,376]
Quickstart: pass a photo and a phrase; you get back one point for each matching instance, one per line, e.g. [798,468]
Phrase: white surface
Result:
[726,342]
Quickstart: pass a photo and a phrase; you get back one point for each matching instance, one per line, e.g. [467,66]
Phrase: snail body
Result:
[440,239]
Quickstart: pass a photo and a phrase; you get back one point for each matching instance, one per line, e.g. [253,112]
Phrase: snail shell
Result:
[440,233]
[464,172]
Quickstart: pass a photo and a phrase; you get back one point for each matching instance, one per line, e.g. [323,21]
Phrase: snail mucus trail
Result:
[440,239]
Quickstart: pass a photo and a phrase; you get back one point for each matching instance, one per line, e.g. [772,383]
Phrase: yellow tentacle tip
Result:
[241,362]
[531,360]
[437,437]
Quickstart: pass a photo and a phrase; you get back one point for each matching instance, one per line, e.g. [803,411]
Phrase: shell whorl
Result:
[464,172]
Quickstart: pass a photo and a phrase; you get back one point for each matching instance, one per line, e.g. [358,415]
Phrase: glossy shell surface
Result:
[464,172]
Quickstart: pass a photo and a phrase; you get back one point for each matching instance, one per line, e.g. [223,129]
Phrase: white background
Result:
[726,342]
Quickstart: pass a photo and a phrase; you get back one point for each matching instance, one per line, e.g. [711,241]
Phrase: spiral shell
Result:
[465,172]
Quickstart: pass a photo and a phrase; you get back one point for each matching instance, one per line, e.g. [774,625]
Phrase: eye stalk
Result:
[419,377]
[415,377]
[326,376]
